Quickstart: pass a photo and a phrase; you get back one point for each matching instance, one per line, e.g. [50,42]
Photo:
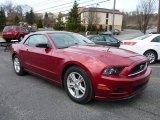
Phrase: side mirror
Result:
[42,45]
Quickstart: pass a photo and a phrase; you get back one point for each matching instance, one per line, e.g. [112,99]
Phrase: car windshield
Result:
[64,40]
[143,37]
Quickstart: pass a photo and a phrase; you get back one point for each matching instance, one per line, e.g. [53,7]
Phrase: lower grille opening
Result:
[138,87]
[119,90]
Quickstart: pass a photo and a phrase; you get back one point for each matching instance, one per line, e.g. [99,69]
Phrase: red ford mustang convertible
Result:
[85,70]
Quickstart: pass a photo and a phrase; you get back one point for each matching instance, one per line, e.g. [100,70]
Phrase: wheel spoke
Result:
[79,80]
[82,89]
[76,93]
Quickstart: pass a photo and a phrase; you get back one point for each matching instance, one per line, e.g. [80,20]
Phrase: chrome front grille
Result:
[138,69]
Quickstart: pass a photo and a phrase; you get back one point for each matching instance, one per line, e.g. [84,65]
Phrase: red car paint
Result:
[52,63]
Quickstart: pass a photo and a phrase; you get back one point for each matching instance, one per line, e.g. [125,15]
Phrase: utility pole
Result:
[114,5]
[158,26]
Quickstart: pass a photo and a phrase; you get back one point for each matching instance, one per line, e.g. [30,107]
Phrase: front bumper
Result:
[121,88]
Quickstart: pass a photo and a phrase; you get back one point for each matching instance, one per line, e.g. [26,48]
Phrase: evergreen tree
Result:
[46,20]
[27,16]
[40,25]
[30,17]
[74,22]
[46,15]
[16,20]
[59,24]
[2,18]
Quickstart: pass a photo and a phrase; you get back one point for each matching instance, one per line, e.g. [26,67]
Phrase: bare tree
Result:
[26,8]
[19,10]
[9,7]
[92,19]
[145,10]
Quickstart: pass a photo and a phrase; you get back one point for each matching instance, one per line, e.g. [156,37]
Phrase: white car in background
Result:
[148,45]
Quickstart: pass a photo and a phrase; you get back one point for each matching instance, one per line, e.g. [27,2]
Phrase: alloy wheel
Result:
[151,56]
[76,85]
[17,65]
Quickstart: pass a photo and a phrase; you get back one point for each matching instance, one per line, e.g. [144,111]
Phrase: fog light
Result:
[119,90]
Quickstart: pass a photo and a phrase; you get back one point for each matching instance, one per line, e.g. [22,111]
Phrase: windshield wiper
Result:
[63,47]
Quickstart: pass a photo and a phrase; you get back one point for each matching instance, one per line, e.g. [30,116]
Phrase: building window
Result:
[106,28]
[106,21]
[107,15]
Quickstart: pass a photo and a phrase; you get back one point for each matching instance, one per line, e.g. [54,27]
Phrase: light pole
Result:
[114,5]
[158,27]
[96,22]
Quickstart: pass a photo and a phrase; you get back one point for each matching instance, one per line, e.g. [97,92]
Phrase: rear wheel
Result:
[21,38]
[151,55]
[78,85]
[18,68]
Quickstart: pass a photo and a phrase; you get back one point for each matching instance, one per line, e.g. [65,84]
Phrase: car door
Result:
[37,59]
[156,44]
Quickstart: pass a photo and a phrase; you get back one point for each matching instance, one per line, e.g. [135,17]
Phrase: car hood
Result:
[107,54]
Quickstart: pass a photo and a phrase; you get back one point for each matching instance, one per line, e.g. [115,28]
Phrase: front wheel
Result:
[78,85]
[18,68]
[151,56]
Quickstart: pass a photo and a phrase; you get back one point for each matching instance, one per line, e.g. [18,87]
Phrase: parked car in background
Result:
[148,45]
[104,40]
[106,33]
[85,70]
[152,30]
[14,33]
[115,32]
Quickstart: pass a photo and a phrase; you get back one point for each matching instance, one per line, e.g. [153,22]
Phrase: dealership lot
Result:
[32,98]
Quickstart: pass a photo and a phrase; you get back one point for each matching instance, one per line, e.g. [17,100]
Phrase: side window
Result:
[98,38]
[36,39]
[157,39]
[24,30]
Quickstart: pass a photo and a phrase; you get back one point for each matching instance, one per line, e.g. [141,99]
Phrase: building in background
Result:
[99,17]
[102,18]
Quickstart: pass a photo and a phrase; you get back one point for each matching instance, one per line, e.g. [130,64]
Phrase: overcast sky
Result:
[56,5]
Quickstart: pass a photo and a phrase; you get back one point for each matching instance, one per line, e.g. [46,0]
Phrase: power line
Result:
[79,4]
[84,6]
[44,2]
[69,6]
[62,5]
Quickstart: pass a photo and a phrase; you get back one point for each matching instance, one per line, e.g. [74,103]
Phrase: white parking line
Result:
[155,66]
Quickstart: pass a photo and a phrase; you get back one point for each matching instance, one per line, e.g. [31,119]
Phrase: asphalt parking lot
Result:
[32,98]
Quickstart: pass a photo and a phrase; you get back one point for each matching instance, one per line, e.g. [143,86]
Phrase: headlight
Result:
[113,71]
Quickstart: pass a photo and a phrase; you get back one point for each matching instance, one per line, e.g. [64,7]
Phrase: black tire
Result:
[88,94]
[21,69]
[21,38]
[8,40]
[151,55]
